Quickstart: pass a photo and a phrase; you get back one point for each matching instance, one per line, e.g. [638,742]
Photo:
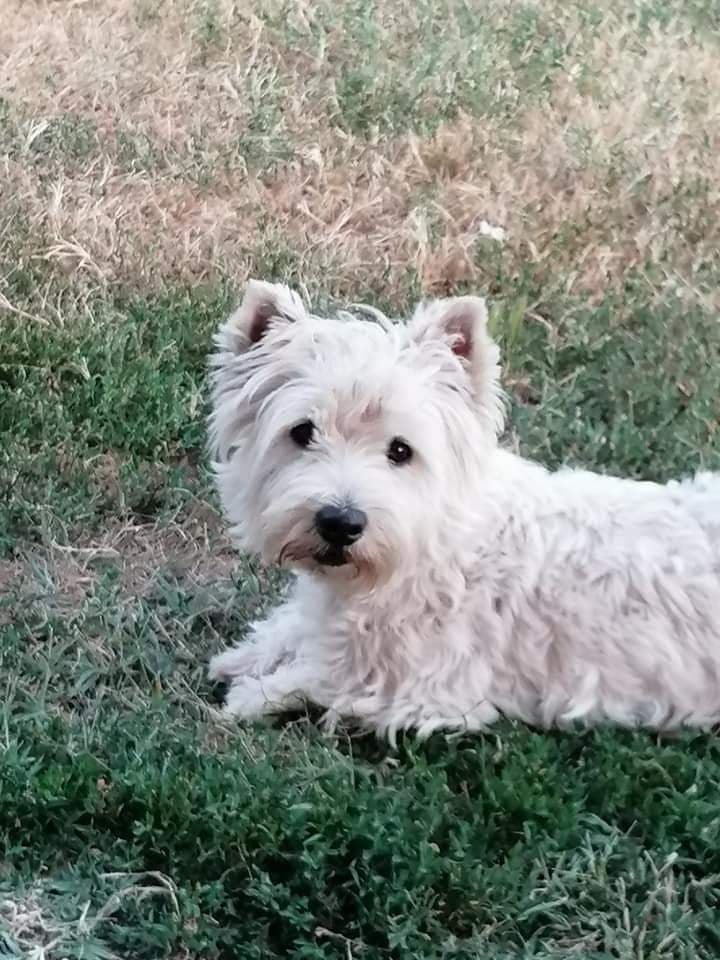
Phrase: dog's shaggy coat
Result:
[482,584]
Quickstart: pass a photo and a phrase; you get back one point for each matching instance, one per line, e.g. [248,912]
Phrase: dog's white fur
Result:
[483,585]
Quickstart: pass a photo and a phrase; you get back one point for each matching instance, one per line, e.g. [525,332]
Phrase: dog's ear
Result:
[461,321]
[264,305]
[242,378]
[461,324]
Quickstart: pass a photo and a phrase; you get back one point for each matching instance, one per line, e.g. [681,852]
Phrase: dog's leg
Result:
[289,687]
[271,643]
[258,655]
[387,716]
[294,684]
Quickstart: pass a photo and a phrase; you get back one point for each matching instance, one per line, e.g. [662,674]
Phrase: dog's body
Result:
[443,581]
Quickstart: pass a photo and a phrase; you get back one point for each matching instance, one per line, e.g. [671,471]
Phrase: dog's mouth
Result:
[332,557]
[296,552]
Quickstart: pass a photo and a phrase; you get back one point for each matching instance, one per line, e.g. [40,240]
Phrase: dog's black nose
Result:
[340,526]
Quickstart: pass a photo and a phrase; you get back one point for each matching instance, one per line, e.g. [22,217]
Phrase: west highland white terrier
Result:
[442,581]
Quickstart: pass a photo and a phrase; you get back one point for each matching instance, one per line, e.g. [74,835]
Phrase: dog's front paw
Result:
[250,697]
[238,662]
[245,699]
[247,660]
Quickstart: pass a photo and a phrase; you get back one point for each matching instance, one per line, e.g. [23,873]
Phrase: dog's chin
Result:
[300,555]
[351,568]
[332,557]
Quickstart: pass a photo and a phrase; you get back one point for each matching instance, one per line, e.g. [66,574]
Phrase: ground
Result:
[562,158]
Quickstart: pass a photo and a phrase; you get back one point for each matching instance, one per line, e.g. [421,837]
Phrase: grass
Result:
[154,156]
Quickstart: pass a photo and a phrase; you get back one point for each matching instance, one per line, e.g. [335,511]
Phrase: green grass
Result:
[125,802]
[136,824]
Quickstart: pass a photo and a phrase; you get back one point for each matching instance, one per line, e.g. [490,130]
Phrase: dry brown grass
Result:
[603,160]
[192,550]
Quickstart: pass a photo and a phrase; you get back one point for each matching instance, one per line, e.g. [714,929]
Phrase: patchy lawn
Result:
[564,159]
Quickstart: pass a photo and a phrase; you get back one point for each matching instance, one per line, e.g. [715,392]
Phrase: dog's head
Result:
[346,446]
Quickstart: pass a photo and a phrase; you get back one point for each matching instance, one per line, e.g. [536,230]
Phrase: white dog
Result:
[442,581]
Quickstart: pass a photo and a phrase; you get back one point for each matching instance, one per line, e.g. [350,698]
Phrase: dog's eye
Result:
[303,433]
[398,451]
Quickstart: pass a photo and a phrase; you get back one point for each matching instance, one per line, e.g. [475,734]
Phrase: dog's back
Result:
[700,497]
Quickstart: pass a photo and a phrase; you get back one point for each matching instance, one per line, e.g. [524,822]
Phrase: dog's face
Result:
[345,446]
